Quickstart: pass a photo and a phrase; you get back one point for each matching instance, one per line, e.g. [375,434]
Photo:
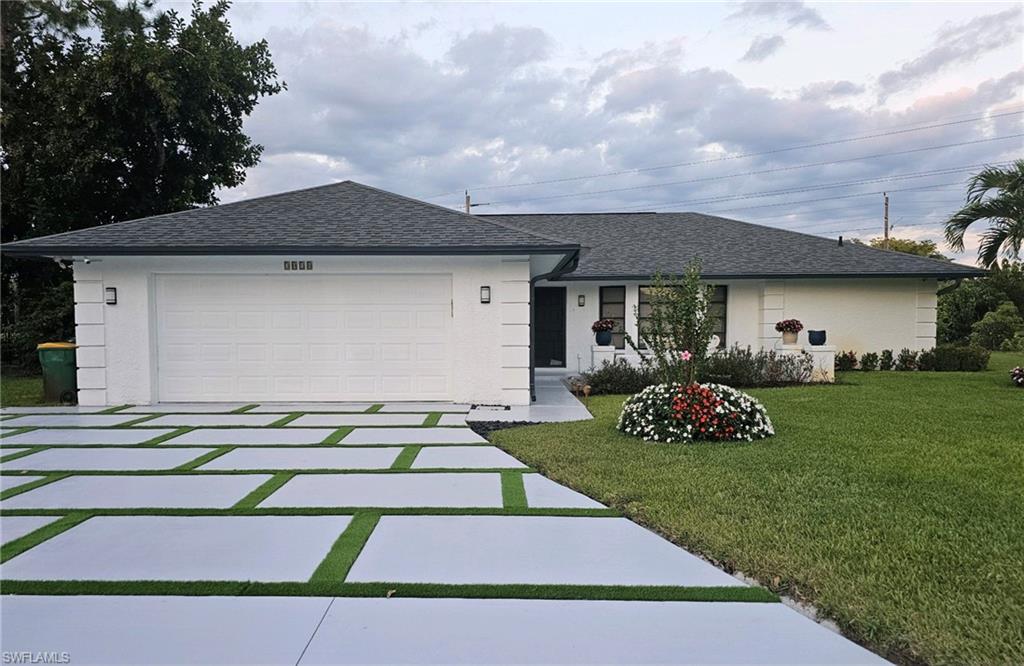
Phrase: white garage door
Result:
[303,337]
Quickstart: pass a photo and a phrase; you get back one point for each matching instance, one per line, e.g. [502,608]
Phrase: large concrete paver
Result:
[362,436]
[444,407]
[527,549]
[338,420]
[86,436]
[15,527]
[199,420]
[185,408]
[8,481]
[310,407]
[543,493]
[183,548]
[162,630]
[454,457]
[253,436]
[521,631]
[389,490]
[305,457]
[123,459]
[213,491]
[51,409]
[70,420]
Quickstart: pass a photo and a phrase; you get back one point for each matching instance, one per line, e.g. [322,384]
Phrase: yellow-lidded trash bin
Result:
[59,371]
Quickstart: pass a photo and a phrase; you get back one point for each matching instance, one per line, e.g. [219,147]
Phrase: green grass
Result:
[513,492]
[892,501]
[22,391]
[32,539]
[265,490]
[346,549]
[404,460]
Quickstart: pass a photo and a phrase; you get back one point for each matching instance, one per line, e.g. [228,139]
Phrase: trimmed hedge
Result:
[944,358]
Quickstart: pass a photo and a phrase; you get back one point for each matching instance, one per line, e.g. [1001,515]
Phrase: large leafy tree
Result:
[995,195]
[113,111]
[922,248]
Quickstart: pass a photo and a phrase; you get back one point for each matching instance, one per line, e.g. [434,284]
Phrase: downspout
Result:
[567,265]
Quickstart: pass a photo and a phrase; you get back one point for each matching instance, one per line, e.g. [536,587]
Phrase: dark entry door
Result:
[549,327]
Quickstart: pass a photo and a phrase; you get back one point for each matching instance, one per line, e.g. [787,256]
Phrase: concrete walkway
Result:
[404,517]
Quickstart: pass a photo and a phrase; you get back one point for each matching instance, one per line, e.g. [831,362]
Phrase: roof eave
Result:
[966,273]
[16,250]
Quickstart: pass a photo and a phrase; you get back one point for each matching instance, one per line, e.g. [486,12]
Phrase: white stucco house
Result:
[347,292]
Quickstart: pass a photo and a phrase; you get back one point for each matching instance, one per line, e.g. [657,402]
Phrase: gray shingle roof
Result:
[342,218]
[637,245]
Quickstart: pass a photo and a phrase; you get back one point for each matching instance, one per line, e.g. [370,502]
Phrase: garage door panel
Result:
[325,337]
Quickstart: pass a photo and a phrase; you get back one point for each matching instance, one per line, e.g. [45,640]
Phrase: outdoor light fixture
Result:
[485,294]
[581,300]
[110,295]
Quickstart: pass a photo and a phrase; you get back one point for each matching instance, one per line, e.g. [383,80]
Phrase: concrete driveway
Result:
[343,533]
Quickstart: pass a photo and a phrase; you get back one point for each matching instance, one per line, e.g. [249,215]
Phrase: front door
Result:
[549,327]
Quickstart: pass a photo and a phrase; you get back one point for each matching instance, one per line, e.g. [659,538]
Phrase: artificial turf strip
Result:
[335,567]
[244,408]
[167,436]
[432,419]
[405,458]
[32,539]
[50,478]
[218,472]
[326,511]
[22,454]
[513,492]
[203,459]
[284,420]
[328,588]
[115,409]
[138,421]
[265,490]
[373,409]
[338,435]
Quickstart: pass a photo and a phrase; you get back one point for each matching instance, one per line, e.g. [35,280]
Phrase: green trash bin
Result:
[59,372]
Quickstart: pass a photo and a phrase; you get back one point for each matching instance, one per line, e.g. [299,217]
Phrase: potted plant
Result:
[602,329]
[789,328]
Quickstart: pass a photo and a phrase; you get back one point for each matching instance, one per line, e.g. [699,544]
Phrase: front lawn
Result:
[21,391]
[892,501]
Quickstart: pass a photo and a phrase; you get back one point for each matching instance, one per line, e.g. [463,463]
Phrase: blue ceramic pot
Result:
[604,338]
[816,337]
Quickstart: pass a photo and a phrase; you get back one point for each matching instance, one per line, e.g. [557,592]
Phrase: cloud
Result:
[829,90]
[762,47]
[795,14]
[955,45]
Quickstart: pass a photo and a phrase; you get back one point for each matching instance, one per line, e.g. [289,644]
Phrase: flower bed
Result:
[685,413]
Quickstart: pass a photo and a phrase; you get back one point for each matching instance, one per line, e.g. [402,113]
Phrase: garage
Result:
[296,337]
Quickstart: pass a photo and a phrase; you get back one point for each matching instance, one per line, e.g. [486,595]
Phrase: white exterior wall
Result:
[117,354]
[859,314]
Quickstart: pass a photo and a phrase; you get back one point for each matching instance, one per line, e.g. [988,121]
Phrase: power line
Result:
[902,206]
[812,188]
[755,173]
[607,174]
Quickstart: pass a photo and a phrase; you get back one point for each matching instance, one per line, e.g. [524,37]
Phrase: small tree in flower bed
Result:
[846,360]
[674,413]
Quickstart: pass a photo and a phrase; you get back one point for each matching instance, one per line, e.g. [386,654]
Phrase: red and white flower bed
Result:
[685,413]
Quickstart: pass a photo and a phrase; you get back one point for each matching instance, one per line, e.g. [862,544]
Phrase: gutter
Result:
[567,265]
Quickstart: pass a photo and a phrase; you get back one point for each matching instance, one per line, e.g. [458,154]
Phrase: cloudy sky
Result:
[790,114]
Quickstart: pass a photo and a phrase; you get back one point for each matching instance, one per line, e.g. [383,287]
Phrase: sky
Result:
[790,114]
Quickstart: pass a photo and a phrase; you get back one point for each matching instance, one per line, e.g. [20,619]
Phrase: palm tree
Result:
[1004,211]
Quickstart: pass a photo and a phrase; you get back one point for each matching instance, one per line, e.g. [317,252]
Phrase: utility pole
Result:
[885,242]
[468,204]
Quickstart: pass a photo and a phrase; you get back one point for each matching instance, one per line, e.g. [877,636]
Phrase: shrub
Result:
[1017,376]
[618,377]
[926,360]
[997,326]
[907,360]
[741,367]
[50,318]
[684,413]
[885,361]
[1014,344]
[869,361]
[846,360]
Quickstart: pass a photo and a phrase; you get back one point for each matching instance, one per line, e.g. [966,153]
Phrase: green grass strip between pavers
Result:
[284,420]
[338,435]
[405,458]
[115,409]
[182,471]
[142,419]
[17,490]
[244,408]
[177,432]
[265,490]
[432,419]
[22,454]
[32,539]
[335,567]
[513,492]
[385,589]
[373,409]
[325,511]
[203,459]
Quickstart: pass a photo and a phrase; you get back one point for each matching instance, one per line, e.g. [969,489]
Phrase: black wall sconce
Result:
[110,295]
[581,300]
[485,294]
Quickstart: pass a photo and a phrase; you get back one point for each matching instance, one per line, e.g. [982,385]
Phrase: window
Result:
[716,310]
[613,306]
